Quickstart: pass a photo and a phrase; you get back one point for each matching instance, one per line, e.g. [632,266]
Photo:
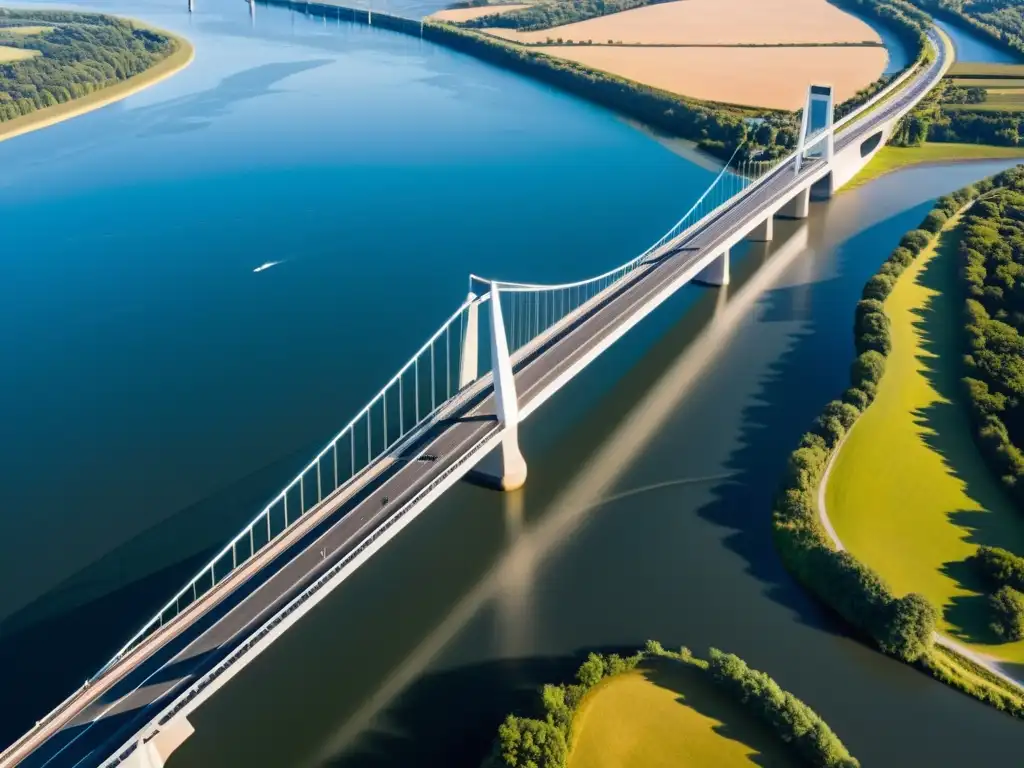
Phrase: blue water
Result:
[147,367]
[970,46]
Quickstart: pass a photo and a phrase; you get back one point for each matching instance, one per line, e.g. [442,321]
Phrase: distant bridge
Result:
[455,406]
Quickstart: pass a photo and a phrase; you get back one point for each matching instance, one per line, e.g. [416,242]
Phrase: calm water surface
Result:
[646,515]
[155,389]
[970,46]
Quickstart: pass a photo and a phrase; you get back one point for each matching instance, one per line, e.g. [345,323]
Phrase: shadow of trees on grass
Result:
[696,690]
[947,430]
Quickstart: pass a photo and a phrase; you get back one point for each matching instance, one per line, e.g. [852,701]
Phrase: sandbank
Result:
[775,78]
[714,22]
[42,118]
[468,14]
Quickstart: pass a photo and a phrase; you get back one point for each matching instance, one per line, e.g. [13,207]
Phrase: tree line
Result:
[1003,573]
[543,741]
[928,121]
[83,53]
[717,128]
[1001,21]
[899,626]
[992,269]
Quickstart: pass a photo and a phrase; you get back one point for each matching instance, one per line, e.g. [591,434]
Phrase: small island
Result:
[55,65]
[662,707]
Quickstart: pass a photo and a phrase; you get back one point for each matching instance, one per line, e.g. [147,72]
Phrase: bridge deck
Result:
[102,717]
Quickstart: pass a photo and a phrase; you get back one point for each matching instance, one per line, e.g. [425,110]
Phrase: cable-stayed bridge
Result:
[454,407]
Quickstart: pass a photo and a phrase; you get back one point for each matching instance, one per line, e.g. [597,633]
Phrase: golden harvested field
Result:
[764,77]
[714,22]
[15,54]
[468,14]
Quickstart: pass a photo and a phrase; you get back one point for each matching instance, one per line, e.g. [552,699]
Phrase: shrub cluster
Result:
[902,627]
[525,742]
[1003,573]
[542,742]
[1007,607]
[795,722]
[998,567]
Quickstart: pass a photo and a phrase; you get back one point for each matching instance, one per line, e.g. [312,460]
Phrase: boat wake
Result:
[267,265]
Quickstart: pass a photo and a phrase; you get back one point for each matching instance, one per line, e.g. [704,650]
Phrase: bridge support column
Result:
[512,470]
[470,345]
[764,231]
[798,207]
[155,752]
[717,272]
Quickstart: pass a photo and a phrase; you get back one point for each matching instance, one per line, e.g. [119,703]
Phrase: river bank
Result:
[172,64]
[891,159]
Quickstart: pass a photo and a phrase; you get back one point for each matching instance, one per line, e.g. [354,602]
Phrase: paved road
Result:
[101,718]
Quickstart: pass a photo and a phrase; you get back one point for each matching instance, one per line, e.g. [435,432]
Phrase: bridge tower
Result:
[512,469]
[819,98]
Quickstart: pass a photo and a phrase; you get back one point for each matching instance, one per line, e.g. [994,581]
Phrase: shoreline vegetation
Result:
[717,128]
[686,702]
[179,55]
[918,510]
[903,627]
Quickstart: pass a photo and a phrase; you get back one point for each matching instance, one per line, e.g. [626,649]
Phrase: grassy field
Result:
[894,158]
[909,495]
[15,54]
[51,115]
[978,69]
[667,714]
[25,30]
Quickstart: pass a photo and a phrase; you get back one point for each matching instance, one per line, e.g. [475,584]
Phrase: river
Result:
[156,389]
[971,46]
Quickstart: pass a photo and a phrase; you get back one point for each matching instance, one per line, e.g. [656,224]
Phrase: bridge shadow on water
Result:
[789,396]
[947,430]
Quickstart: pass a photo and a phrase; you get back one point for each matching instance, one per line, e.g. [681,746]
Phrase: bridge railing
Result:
[429,379]
[531,309]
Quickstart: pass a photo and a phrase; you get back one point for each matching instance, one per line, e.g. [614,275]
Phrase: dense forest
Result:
[79,54]
[992,269]
[992,266]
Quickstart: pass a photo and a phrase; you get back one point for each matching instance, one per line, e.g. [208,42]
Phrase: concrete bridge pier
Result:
[798,207]
[763,232]
[717,272]
[510,470]
[155,752]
